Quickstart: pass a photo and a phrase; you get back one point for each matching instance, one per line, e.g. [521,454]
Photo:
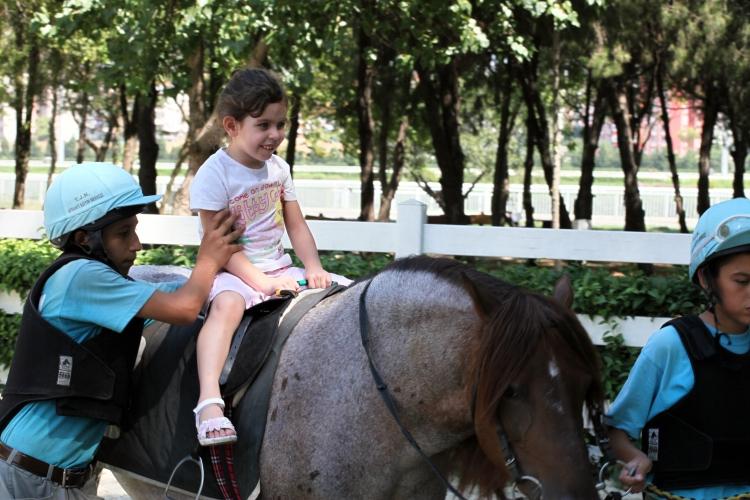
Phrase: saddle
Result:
[160,430]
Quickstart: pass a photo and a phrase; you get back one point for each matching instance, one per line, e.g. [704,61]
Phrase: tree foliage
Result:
[471,87]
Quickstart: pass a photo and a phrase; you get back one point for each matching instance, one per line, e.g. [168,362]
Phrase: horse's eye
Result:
[511,392]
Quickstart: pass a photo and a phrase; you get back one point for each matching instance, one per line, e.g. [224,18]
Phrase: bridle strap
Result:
[385,394]
[602,437]
[508,457]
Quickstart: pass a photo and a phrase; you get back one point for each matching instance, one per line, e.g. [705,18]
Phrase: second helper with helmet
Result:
[688,394]
[81,327]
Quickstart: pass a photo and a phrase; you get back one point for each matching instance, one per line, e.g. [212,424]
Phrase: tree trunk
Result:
[738,123]
[388,189]
[52,129]
[592,131]
[384,104]
[129,129]
[442,110]
[634,214]
[291,141]
[710,114]
[205,131]
[679,207]
[500,184]
[528,165]
[540,130]
[739,155]
[82,136]
[148,150]
[365,126]
[24,104]
[101,152]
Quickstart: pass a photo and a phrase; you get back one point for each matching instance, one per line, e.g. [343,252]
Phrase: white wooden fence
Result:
[411,235]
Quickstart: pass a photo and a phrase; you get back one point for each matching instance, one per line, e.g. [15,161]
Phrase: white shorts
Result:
[225,281]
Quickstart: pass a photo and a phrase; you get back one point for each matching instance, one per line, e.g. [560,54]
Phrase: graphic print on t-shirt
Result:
[259,209]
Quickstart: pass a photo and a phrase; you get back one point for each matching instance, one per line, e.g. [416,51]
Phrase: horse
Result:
[487,379]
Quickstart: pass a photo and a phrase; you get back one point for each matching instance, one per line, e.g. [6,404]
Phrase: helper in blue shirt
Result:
[687,395]
[90,213]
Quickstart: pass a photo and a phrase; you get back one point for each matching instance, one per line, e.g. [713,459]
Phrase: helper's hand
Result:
[270,285]
[633,474]
[218,243]
[317,278]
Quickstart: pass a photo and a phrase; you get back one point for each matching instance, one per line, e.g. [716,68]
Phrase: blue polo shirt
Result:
[81,299]
[661,376]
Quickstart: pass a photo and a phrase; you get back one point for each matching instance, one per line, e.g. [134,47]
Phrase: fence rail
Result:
[411,235]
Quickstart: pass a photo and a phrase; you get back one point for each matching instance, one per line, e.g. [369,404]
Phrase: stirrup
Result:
[213,424]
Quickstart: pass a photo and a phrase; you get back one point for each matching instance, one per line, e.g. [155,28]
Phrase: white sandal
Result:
[213,424]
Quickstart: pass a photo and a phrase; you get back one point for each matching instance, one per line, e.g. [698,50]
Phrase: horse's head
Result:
[535,367]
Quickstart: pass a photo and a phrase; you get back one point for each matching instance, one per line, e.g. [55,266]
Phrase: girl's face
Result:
[253,139]
[733,282]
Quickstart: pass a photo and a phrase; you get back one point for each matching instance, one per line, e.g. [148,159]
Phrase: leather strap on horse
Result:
[385,394]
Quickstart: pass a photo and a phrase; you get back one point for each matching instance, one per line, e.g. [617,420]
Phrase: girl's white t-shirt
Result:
[255,195]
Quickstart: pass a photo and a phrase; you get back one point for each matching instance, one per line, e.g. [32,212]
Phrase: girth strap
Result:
[235,348]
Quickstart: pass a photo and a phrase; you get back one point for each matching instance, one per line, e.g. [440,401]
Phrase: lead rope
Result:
[388,398]
[671,496]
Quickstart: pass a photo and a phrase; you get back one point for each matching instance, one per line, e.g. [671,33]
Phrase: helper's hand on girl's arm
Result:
[317,277]
[183,305]
[218,242]
[637,464]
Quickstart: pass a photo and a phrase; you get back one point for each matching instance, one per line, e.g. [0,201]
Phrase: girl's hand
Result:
[633,474]
[317,278]
[270,285]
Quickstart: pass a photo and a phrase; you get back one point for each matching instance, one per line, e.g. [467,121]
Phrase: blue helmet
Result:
[81,197]
[722,229]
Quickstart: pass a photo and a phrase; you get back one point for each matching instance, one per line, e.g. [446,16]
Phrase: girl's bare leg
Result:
[213,344]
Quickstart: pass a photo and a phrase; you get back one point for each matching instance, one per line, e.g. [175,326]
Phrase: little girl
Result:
[688,395]
[255,184]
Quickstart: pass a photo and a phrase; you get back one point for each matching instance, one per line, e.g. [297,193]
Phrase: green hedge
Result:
[599,290]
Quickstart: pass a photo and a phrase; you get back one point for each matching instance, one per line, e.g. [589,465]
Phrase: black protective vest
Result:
[91,379]
[704,439]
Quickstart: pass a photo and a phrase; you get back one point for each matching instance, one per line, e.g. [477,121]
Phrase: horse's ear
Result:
[480,304]
[563,292]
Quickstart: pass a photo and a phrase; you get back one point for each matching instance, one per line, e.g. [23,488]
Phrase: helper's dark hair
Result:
[248,92]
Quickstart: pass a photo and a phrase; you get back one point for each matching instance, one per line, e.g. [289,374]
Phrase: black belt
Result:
[67,478]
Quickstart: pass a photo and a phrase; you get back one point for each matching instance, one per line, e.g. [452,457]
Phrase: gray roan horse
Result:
[470,361]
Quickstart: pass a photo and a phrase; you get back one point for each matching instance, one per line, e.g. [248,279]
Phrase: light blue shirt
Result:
[661,376]
[81,299]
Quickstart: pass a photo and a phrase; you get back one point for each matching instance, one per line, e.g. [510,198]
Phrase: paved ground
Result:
[109,488]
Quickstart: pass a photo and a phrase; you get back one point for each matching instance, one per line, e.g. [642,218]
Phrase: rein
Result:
[511,462]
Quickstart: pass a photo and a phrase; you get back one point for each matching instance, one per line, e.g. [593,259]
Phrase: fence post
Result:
[412,216]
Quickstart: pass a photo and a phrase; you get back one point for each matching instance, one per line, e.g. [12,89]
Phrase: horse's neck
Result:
[422,332]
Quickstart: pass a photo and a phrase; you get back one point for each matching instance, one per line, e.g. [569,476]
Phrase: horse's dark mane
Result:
[516,321]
